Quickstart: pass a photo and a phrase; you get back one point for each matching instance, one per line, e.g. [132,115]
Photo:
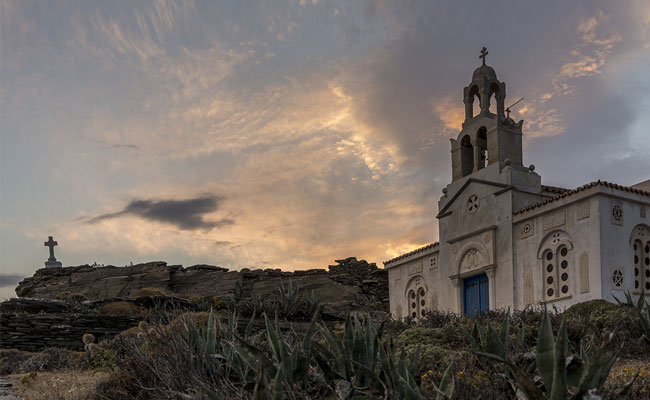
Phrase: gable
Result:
[499,187]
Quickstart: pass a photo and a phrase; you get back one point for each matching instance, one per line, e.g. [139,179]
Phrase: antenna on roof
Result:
[512,105]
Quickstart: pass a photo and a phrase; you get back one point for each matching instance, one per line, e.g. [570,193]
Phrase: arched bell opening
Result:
[494,98]
[466,155]
[481,144]
[472,100]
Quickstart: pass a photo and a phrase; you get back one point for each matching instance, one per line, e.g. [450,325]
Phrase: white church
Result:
[506,240]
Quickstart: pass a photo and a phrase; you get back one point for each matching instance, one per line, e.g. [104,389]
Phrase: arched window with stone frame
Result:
[416,292]
[640,242]
[556,255]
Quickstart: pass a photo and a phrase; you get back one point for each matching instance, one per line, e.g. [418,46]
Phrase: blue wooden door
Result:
[475,295]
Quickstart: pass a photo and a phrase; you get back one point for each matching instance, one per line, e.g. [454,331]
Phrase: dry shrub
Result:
[200,320]
[130,333]
[154,362]
[123,308]
[148,291]
[622,373]
[207,303]
[88,338]
[68,296]
[52,359]
[11,361]
[60,385]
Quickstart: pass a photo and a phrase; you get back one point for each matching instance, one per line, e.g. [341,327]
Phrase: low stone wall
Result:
[33,324]
[350,284]
[34,332]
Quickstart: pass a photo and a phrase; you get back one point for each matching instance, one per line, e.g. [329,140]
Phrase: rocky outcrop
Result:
[96,282]
[349,284]
[37,320]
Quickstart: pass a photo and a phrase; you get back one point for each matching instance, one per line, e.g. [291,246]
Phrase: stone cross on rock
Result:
[51,243]
[484,53]
[51,262]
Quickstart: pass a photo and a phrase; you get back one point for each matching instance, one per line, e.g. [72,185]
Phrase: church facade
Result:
[506,240]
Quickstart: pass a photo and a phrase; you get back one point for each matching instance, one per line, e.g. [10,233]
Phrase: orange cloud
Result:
[451,112]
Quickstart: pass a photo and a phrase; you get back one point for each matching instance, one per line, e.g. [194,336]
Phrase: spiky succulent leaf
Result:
[559,388]
[504,335]
[277,384]
[522,380]
[473,337]
[575,370]
[447,384]
[546,352]
[211,338]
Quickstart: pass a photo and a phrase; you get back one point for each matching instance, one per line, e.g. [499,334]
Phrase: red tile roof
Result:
[580,189]
[410,253]
[555,189]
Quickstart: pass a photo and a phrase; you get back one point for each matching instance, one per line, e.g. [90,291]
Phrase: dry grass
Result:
[622,373]
[123,308]
[59,385]
[78,297]
[11,360]
[148,291]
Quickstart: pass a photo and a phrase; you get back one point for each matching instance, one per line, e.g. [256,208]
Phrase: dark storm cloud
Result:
[117,145]
[10,280]
[185,214]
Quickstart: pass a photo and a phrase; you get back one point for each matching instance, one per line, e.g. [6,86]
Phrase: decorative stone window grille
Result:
[433,262]
[642,265]
[641,247]
[617,278]
[557,265]
[556,238]
[556,272]
[472,203]
[416,297]
[527,229]
[617,213]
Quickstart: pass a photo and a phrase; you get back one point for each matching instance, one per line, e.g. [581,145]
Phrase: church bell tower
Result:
[488,136]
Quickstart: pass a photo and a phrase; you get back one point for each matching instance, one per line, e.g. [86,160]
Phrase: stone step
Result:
[6,390]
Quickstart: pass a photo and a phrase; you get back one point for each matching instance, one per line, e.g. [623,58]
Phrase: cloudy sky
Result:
[289,133]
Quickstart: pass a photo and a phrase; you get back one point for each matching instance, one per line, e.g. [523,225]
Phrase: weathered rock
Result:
[350,284]
[203,282]
[95,282]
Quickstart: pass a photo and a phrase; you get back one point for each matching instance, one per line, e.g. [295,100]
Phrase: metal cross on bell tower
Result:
[484,53]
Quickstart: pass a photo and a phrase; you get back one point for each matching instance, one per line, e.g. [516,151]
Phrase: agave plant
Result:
[285,368]
[490,341]
[352,359]
[397,377]
[564,375]
[360,365]
[295,301]
[642,312]
[290,365]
